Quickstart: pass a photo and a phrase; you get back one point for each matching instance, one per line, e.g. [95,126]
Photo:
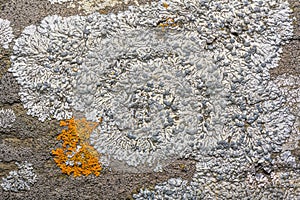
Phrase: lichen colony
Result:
[166,80]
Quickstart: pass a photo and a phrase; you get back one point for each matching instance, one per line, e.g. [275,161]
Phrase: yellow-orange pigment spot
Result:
[165,5]
[169,22]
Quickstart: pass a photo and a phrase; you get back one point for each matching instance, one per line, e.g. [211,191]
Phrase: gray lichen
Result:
[289,85]
[176,81]
[6,33]
[90,6]
[19,180]
[174,188]
[7,117]
[241,165]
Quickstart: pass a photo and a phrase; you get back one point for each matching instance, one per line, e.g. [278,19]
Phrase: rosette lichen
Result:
[19,180]
[6,33]
[7,117]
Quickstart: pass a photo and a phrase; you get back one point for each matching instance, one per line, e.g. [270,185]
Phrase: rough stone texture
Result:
[33,141]
[290,59]
[8,89]
[4,60]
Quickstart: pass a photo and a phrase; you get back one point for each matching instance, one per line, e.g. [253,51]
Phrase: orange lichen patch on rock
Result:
[169,22]
[76,156]
[81,162]
[165,5]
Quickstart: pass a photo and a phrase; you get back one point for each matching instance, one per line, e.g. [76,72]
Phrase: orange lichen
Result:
[76,155]
[165,5]
[85,128]
[169,22]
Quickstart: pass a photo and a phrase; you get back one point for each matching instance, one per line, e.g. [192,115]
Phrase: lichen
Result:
[90,6]
[174,188]
[7,117]
[22,179]
[184,92]
[169,22]
[76,156]
[6,33]
[289,85]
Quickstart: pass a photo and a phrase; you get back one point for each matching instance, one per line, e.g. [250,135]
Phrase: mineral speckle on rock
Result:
[8,89]
[60,1]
